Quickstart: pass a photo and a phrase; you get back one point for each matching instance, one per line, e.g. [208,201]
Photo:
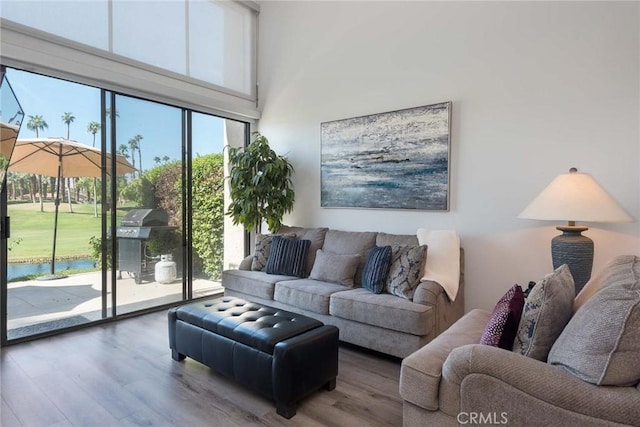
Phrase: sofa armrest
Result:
[432,294]
[485,379]
[427,292]
[245,264]
[421,371]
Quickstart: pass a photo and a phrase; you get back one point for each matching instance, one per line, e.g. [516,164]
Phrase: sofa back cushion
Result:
[350,243]
[601,342]
[619,270]
[386,239]
[547,310]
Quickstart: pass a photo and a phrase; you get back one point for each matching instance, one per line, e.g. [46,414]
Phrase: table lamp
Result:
[574,197]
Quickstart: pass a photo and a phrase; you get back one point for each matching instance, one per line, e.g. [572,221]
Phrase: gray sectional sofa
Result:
[382,322]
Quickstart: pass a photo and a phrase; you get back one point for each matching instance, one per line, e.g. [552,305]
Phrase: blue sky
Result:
[158,124]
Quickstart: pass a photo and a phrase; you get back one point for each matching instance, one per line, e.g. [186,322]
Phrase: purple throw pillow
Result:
[502,327]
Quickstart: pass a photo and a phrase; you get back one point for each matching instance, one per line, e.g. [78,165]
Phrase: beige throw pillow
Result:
[335,268]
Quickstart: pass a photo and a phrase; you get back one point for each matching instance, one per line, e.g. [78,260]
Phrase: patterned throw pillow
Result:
[335,268]
[287,256]
[376,269]
[262,247]
[406,270]
[502,326]
[546,312]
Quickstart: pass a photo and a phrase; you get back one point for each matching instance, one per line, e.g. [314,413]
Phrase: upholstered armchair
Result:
[588,377]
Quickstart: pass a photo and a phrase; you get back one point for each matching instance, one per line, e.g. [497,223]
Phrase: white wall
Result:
[536,89]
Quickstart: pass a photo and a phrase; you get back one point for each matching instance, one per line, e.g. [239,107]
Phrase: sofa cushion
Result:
[601,342]
[619,270]
[350,242]
[546,312]
[256,283]
[262,248]
[315,235]
[406,270]
[384,310]
[307,294]
[335,268]
[501,329]
[386,239]
[287,256]
[376,269]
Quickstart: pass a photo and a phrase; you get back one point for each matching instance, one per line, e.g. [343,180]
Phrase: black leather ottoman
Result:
[283,355]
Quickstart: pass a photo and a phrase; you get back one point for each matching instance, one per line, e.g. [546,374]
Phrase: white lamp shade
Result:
[575,197]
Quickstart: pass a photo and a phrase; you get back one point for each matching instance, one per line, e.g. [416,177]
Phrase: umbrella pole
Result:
[53,275]
[55,220]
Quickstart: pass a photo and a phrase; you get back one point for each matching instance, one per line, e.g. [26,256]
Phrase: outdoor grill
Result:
[135,230]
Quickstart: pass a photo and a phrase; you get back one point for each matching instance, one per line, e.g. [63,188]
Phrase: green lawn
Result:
[32,230]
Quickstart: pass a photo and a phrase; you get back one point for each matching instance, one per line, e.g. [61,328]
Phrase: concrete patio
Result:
[34,306]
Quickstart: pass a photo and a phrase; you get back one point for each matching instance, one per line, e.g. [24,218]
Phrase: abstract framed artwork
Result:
[393,160]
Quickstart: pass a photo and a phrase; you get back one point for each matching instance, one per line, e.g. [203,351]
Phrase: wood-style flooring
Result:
[122,374]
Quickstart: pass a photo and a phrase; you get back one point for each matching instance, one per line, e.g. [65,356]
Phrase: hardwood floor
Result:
[122,374]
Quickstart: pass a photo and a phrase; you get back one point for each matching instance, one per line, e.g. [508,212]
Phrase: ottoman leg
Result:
[330,385]
[286,410]
[177,356]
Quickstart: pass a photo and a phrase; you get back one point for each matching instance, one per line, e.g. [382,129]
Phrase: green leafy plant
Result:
[95,246]
[163,243]
[208,216]
[260,184]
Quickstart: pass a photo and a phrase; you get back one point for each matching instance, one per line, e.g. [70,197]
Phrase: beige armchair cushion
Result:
[601,343]
[618,270]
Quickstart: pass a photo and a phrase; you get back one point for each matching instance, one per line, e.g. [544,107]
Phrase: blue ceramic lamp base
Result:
[575,250]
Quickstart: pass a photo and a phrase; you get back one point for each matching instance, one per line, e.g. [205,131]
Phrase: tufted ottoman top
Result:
[252,324]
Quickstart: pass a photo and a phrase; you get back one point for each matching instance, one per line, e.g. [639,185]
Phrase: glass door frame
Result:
[109,191]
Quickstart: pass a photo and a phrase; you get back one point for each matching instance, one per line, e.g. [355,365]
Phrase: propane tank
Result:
[166,270]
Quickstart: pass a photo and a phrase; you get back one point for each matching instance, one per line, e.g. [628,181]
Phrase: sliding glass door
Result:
[144,227]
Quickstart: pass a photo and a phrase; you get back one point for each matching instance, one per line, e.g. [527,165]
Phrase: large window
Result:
[119,238]
[162,86]
[211,41]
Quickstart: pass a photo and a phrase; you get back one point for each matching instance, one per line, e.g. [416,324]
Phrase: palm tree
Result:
[37,123]
[123,149]
[108,111]
[157,160]
[166,159]
[68,118]
[133,146]
[93,128]
[138,138]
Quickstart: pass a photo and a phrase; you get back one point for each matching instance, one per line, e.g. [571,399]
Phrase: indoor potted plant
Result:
[260,185]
